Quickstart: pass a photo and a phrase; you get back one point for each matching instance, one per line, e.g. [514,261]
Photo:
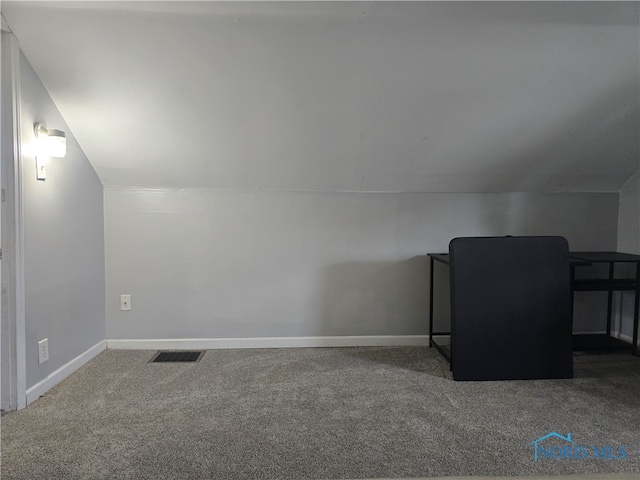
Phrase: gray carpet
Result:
[318,414]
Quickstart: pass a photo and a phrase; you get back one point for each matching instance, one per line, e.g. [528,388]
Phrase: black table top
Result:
[573,260]
[597,257]
[440,257]
[578,262]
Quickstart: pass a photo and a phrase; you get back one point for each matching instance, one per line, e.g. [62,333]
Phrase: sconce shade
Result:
[52,143]
[56,143]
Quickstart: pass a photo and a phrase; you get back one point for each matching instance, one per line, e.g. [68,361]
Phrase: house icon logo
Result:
[560,447]
[545,437]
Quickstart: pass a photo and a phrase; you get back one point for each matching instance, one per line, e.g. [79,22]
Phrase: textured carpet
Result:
[317,414]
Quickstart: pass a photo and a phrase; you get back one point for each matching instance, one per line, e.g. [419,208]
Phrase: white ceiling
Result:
[354,96]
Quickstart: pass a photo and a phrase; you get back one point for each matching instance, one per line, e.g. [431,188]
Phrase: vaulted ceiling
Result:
[346,96]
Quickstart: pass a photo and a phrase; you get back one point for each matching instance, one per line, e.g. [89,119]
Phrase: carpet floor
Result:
[322,413]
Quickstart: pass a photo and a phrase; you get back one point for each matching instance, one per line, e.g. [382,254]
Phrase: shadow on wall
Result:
[377,298]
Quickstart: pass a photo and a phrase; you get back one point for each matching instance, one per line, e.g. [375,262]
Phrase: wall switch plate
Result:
[43,350]
[41,171]
[125,302]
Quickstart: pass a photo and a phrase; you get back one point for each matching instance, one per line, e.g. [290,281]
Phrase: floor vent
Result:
[177,357]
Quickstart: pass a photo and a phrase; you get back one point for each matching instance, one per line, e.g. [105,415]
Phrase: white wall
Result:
[203,263]
[63,242]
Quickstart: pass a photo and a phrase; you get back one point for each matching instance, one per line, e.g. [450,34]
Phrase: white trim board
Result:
[63,372]
[20,302]
[267,342]
[614,333]
[623,337]
[274,342]
[14,247]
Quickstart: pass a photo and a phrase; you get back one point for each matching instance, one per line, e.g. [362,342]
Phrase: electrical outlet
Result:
[43,350]
[125,302]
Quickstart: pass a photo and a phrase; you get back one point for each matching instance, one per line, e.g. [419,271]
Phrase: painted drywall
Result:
[201,263]
[629,217]
[350,96]
[63,241]
[628,242]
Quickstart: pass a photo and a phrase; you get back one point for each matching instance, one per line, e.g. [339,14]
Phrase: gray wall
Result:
[629,242]
[63,244]
[629,217]
[349,96]
[202,263]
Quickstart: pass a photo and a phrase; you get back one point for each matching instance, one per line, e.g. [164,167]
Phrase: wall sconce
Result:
[51,143]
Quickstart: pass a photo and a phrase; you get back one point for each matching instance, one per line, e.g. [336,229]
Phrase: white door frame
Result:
[13,251]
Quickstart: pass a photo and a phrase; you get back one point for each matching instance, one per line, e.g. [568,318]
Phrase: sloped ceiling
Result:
[443,96]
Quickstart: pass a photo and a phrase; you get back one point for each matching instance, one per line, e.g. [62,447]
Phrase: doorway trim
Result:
[13,253]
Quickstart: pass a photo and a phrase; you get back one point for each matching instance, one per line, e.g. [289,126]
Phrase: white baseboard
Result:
[614,333]
[267,342]
[626,338]
[63,372]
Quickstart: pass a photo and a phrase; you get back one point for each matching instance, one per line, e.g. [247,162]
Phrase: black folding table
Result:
[510,308]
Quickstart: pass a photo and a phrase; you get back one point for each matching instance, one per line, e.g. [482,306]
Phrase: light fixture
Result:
[54,142]
[51,143]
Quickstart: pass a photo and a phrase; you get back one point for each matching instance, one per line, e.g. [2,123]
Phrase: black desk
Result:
[443,258]
[506,324]
[610,284]
[588,342]
[445,350]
